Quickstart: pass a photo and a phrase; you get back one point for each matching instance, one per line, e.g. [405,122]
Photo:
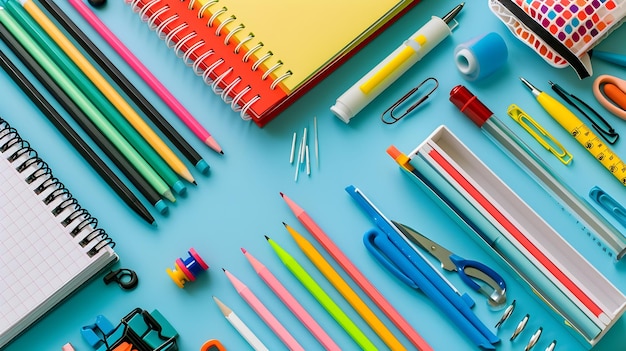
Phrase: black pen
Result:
[150,111]
[87,125]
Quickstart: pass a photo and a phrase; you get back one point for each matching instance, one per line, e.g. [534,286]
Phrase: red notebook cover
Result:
[202,39]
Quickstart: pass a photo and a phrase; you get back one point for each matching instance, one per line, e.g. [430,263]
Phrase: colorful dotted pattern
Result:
[578,24]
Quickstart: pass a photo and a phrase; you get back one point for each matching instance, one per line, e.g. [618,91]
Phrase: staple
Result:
[293,148]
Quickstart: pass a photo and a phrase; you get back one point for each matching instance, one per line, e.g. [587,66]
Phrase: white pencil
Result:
[240,326]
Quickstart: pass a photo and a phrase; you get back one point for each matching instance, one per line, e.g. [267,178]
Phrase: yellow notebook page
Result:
[303,35]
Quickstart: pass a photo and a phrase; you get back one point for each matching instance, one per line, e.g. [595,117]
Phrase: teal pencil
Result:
[83,102]
[320,295]
[95,95]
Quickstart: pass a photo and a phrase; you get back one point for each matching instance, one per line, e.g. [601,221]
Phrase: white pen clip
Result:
[413,44]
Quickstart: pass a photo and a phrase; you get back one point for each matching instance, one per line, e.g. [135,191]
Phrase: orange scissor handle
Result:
[212,345]
[610,91]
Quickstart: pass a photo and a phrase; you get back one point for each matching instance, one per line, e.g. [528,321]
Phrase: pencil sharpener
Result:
[187,269]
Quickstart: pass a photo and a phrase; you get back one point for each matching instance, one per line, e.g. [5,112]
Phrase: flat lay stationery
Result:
[476,202]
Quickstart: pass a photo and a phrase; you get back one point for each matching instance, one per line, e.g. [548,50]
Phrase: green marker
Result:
[320,295]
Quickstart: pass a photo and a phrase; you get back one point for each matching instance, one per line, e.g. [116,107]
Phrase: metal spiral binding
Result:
[27,159]
[178,48]
[239,28]
[203,7]
[227,85]
[159,29]
[170,36]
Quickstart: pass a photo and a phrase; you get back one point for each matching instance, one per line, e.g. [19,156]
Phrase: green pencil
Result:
[83,102]
[49,46]
[320,295]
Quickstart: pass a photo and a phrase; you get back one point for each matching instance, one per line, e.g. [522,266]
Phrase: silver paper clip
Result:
[533,339]
[520,327]
[507,313]
[392,109]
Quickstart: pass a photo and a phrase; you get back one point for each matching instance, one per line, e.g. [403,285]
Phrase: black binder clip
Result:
[392,109]
[125,278]
[139,330]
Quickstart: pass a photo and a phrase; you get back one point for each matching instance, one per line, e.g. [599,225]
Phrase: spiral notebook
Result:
[49,244]
[260,56]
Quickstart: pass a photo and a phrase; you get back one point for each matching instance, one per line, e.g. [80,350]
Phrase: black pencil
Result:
[85,123]
[79,143]
[155,116]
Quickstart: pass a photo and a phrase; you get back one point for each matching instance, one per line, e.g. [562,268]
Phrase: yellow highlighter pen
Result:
[583,134]
[366,89]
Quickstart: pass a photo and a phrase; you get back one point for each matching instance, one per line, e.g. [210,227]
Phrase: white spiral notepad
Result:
[49,244]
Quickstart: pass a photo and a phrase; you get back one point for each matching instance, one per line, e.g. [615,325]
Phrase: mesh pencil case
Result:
[562,32]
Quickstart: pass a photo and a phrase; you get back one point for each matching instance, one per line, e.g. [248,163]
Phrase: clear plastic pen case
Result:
[506,227]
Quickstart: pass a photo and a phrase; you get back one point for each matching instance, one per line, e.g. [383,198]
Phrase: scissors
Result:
[469,271]
[610,91]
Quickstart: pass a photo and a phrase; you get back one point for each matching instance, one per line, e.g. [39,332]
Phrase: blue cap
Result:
[161,206]
[203,167]
[179,188]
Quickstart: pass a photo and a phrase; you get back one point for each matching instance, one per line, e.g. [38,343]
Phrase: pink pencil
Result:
[146,75]
[290,301]
[357,276]
[264,313]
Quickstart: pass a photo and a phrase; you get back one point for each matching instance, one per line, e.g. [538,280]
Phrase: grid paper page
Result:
[41,263]
[38,257]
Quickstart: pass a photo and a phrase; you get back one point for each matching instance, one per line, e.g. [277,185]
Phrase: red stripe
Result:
[519,236]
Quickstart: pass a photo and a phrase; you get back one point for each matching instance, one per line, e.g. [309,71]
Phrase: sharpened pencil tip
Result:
[285,224]
[243,250]
[266,237]
[223,270]
[281,194]
[169,195]
[221,152]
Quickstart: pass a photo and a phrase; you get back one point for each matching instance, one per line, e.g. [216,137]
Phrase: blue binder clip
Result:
[95,333]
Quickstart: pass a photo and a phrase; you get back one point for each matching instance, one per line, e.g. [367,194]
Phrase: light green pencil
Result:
[91,91]
[320,295]
[85,104]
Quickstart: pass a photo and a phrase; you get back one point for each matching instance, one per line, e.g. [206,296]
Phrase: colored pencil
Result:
[322,297]
[138,98]
[146,75]
[356,275]
[240,326]
[77,142]
[14,30]
[290,301]
[77,76]
[345,290]
[105,87]
[263,312]
[84,122]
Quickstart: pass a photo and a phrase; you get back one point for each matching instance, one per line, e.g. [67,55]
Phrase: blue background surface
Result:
[239,202]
